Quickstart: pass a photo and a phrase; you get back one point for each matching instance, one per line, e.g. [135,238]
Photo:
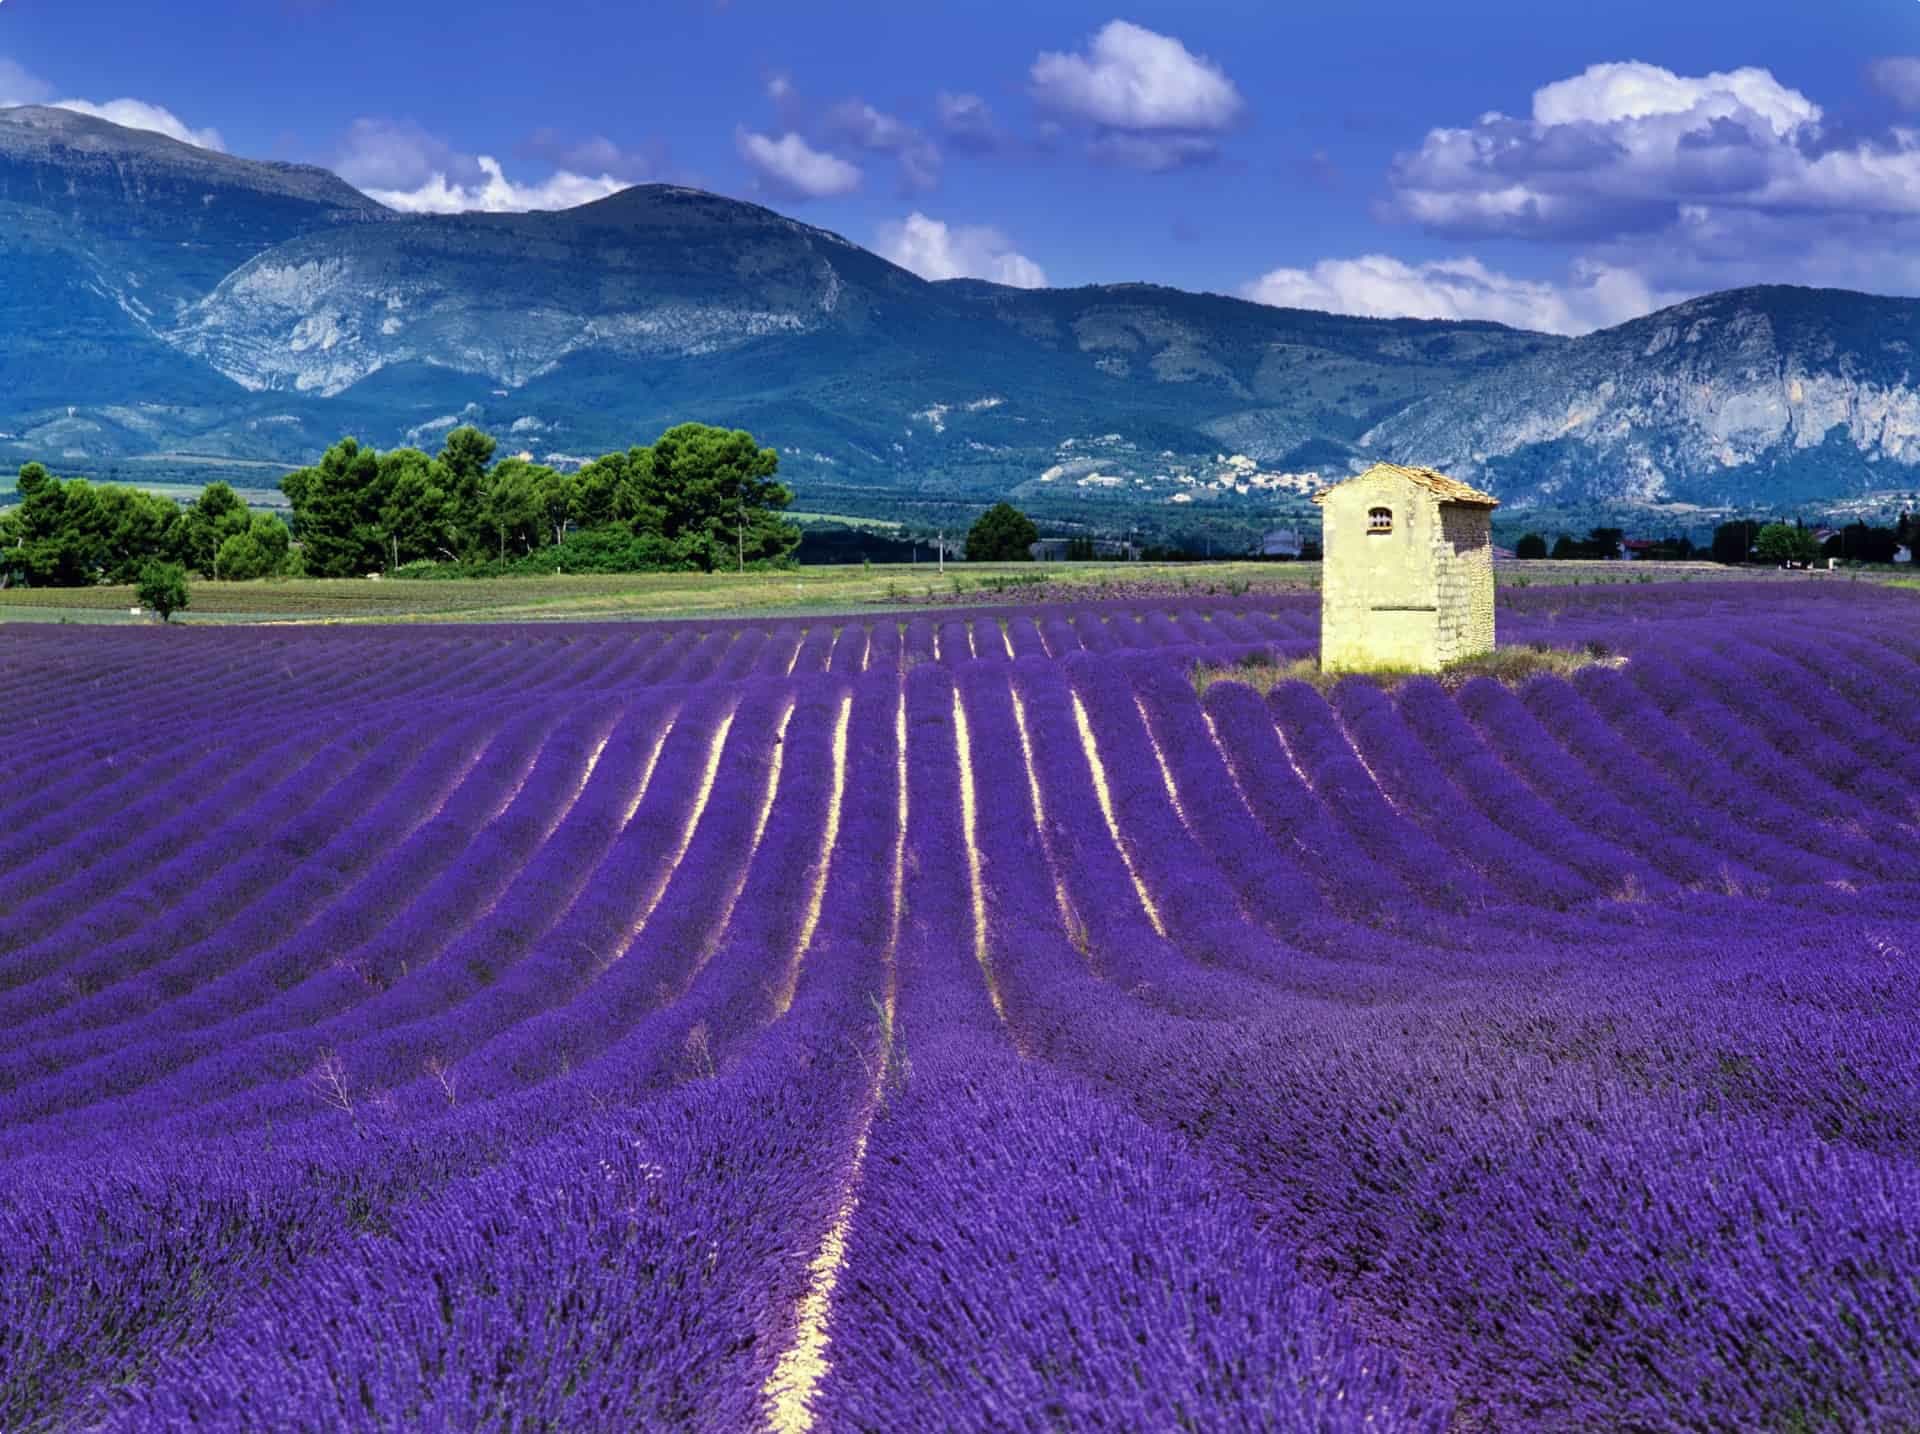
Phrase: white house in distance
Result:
[1408,577]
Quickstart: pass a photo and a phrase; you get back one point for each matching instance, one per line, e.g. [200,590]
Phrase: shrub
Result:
[163,587]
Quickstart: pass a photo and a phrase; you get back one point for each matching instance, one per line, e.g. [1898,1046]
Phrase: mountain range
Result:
[172,307]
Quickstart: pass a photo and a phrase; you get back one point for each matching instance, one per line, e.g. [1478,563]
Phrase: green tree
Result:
[558,495]
[612,489]
[163,587]
[258,552]
[711,495]
[1002,534]
[1786,543]
[53,536]
[137,527]
[1604,542]
[337,512]
[464,457]
[699,497]
[74,533]
[417,515]
[604,491]
[511,506]
[212,518]
[1531,545]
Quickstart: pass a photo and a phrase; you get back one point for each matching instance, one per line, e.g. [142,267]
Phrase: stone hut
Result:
[1408,576]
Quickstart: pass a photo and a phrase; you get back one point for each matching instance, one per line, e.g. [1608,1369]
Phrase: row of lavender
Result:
[87,707]
[1022,1042]
[67,687]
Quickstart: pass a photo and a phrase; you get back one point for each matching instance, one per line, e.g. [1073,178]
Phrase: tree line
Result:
[696,499]
[1742,540]
[1749,540]
[73,533]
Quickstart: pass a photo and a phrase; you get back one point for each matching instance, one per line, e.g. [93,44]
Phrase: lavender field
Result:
[957,1023]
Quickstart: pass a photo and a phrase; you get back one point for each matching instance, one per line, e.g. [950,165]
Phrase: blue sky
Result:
[1555,165]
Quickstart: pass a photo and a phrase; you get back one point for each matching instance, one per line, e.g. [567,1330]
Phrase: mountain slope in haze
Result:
[1280,378]
[163,299]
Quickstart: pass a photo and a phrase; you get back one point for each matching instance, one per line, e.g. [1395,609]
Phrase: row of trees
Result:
[1865,543]
[72,533]
[1601,543]
[696,498]
[1747,540]
[1779,542]
[1744,540]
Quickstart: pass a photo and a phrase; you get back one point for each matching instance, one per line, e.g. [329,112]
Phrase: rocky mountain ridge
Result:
[162,300]
[1732,397]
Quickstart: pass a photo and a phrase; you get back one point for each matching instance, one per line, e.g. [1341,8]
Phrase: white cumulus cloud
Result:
[407,168]
[934,249]
[138,114]
[1631,90]
[1131,78]
[1624,147]
[795,169]
[1380,286]
[494,193]
[1694,182]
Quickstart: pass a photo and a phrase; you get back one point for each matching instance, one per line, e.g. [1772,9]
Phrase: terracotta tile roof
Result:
[1449,490]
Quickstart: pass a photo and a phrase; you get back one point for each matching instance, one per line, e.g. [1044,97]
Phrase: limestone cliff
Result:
[1741,396]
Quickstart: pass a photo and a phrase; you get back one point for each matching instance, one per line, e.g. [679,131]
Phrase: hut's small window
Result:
[1379,520]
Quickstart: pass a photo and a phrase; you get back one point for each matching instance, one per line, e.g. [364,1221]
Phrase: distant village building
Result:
[1281,543]
[1408,576]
